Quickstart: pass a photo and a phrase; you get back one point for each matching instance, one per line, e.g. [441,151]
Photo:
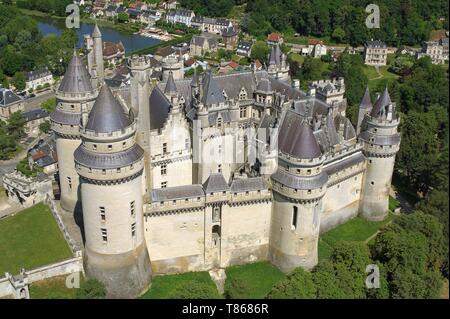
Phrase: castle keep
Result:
[203,173]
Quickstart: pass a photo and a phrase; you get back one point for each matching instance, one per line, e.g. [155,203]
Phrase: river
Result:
[131,42]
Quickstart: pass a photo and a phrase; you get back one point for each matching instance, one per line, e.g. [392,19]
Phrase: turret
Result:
[110,164]
[74,96]
[98,53]
[278,68]
[381,144]
[140,105]
[364,109]
[299,185]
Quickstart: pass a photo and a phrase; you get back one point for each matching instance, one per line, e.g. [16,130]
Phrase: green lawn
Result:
[31,239]
[165,287]
[357,229]
[53,288]
[256,280]
[375,79]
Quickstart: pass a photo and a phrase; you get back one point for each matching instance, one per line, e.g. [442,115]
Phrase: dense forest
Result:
[404,22]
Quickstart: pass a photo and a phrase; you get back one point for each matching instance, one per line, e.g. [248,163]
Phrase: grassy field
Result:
[31,239]
[257,278]
[383,77]
[53,288]
[165,287]
[357,229]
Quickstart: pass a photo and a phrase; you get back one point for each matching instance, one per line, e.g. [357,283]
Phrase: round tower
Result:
[98,53]
[110,164]
[299,185]
[74,96]
[381,143]
[174,65]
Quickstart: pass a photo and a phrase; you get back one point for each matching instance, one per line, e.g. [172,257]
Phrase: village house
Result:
[10,103]
[201,44]
[436,50]
[244,48]
[38,78]
[375,53]
[182,16]
[113,53]
[229,38]
[44,155]
[211,25]
[274,38]
[33,119]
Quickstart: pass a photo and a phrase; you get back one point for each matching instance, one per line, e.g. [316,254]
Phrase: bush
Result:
[91,289]
[297,285]
[195,290]
[236,289]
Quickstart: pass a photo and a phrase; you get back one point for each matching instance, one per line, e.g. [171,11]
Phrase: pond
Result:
[131,42]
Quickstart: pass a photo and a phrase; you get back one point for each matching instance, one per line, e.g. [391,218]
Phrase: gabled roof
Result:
[248,184]
[107,115]
[76,79]
[215,183]
[212,93]
[8,97]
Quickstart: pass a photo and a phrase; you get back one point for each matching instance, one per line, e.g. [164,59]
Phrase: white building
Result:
[436,50]
[375,53]
[38,78]
[182,16]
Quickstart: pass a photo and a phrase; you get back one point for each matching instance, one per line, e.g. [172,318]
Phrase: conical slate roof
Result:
[272,56]
[383,101]
[76,79]
[366,103]
[107,115]
[297,139]
[96,33]
[170,88]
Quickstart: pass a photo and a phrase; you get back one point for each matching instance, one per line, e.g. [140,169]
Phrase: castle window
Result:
[104,171]
[164,148]
[132,210]
[294,217]
[102,213]
[216,214]
[118,170]
[372,183]
[109,147]
[219,122]
[69,182]
[219,168]
[133,230]
[187,145]
[163,169]
[163,184]
[94,146]
[242,112]
[104,235]
[124,144]
[308,172]
[309,191]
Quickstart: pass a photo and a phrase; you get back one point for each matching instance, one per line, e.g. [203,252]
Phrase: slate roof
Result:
[215,183]
[375,44]
[8,97]
[297,139]
[248,184]
[380,105]
[366,103]
[178,192]
[76,79]
[37,74]
[170,88]
[107,115]
[108,160]
[212,92]
[35,114]
[159,108]
[297,182]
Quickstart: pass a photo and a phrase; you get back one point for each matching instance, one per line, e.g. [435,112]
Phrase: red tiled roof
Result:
[314,41]
[233,64]
[274,37]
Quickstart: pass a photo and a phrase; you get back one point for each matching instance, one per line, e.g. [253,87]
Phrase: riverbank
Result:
[128,29]
[151,50]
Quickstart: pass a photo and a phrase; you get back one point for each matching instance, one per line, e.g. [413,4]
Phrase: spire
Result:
[366,103]
[212,94]
[194,82]
[96,33]
[170,88]
[107,115]
[380,105]
[272,56]
[76,79]
[297,138]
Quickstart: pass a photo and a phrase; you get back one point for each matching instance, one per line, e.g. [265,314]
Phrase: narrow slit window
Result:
[294,217]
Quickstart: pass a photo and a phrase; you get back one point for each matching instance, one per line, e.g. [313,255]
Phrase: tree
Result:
[91,289]
[311,69]
[122,17]
[195,290]
[19,81]
[15,126]
[45,127]
[338,35]
[297,285]
[260,51]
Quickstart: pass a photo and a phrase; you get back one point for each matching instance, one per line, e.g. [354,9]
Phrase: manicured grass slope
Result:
[257,278]
[358,229]
[165,287]
[31,239]
[53,288]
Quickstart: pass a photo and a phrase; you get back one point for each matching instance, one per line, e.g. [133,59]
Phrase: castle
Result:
[204,173]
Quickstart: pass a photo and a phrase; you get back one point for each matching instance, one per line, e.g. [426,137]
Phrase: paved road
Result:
[35,102]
